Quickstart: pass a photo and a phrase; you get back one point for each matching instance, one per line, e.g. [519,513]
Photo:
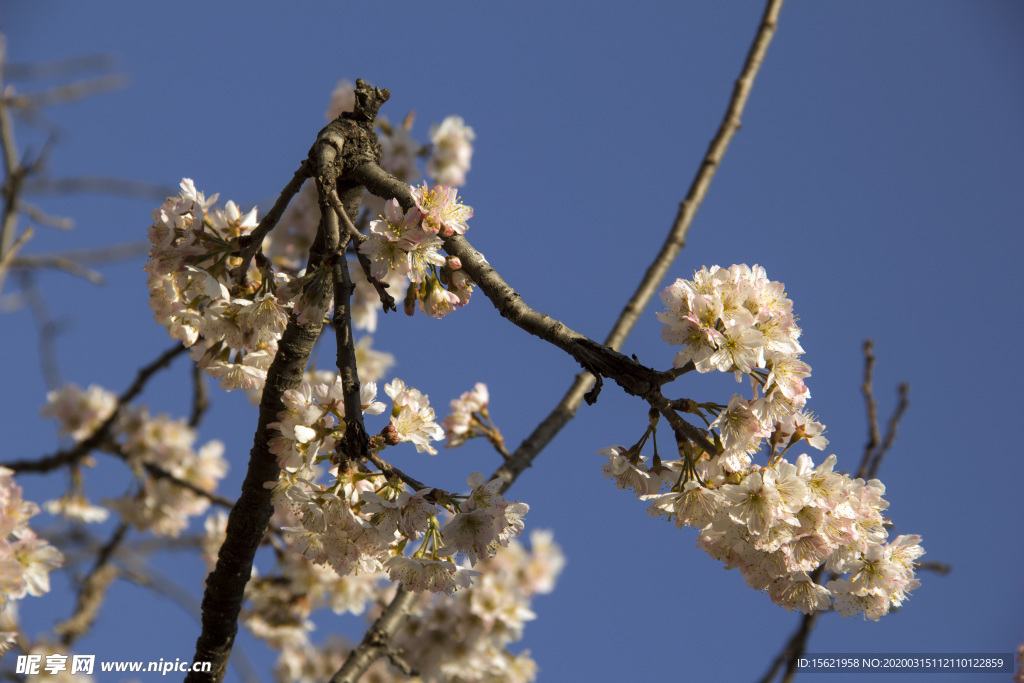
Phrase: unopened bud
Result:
[390,435]
[409,305]
[454,262]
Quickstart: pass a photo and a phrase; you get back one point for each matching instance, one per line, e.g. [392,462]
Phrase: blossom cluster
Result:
[450,638]
[779,522]
[406,243]
[25,559]
[152,445]
[231,322]
[360,523]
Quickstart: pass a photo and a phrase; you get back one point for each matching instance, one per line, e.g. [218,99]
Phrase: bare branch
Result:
[387,301]
[200,396]
[69,92]
[891,429]
[58,263]
[60,69]
[47,328]
[868,390]
[116,252]
[39,216]
[100,185]
[92,591]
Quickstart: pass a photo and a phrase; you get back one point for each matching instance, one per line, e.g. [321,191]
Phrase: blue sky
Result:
[877,174]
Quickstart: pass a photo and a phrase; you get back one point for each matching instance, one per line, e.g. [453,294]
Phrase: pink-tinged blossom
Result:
[797,592]
[799,426]
[629,475]
[741,348]
[755,501]
[416,514]
[452,151]
[435,576]
[418,428]
[435,300]
[79,413]
[740,430]
[694,506]
[397,244]
[473,533]
[443,213]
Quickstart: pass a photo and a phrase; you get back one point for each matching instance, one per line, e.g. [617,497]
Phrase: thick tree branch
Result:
[250,515]
[343,144]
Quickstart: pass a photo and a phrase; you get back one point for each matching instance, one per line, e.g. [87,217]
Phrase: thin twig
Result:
[47,328]
[14,176]
[392,471]
[377,640]
[793,648]
[92,591]
[386,300]
[34,213]
[158,472]
[58,263]
[254,240]
[70,92]
[891,429]
[116,252]
[867,388]
[100,185]
[7,258]
[60,69]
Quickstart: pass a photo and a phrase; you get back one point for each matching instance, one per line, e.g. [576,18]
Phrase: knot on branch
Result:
[354,445]
[599,360]
[352,136]
[368,101]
